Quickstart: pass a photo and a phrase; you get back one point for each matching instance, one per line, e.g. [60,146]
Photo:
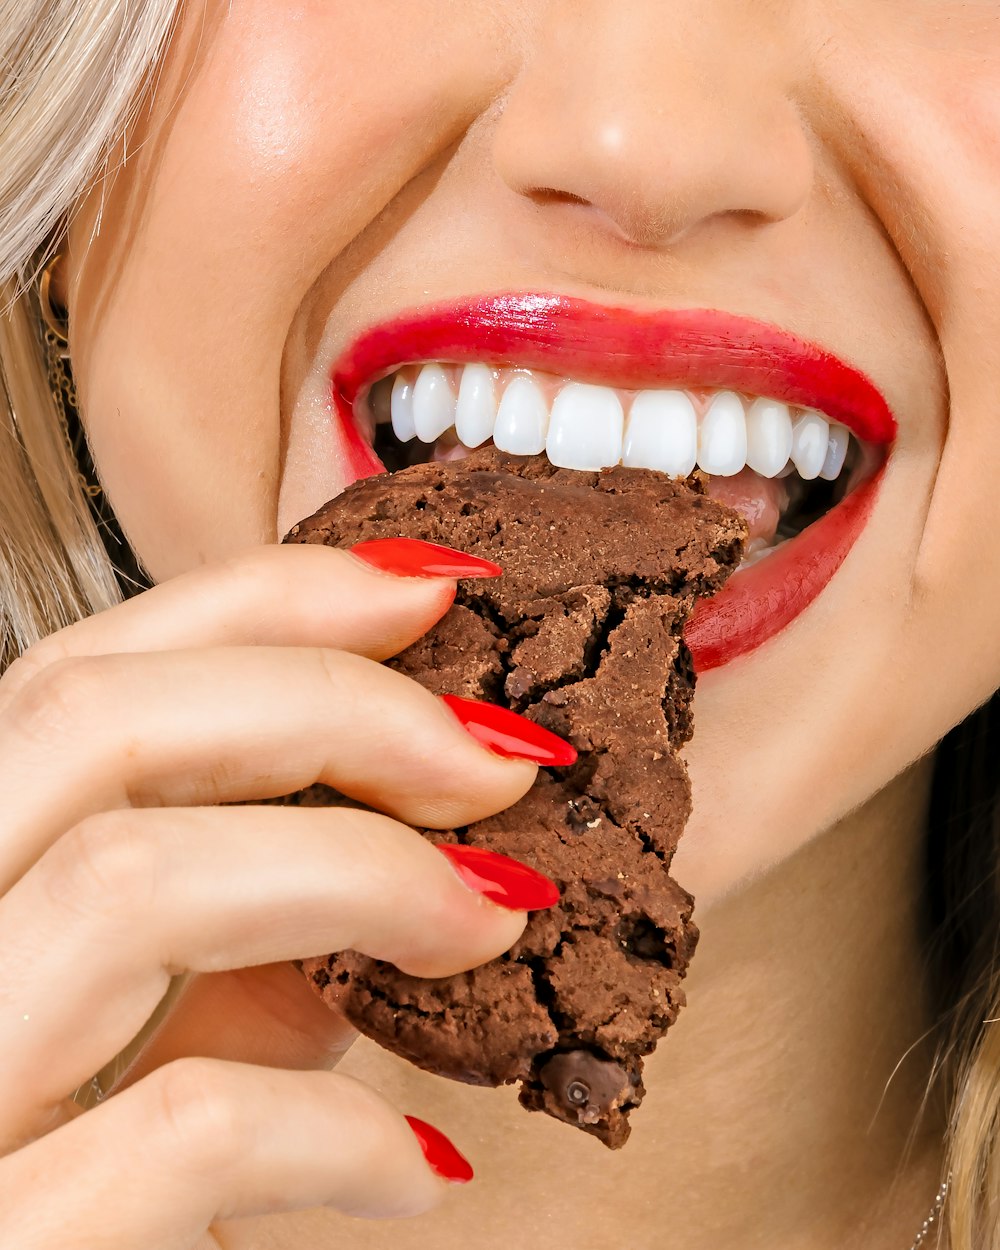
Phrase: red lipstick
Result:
[635,349]
[761,601]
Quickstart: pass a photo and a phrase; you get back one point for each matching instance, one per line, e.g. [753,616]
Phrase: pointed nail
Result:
[506,733]
[501,879]
[412,557]
[442,1156]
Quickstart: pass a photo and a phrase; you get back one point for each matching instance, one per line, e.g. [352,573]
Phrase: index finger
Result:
[271,595]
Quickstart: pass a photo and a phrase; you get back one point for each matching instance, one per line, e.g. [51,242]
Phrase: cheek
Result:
[783,750]
[936,144]
[957,573]
[277,135]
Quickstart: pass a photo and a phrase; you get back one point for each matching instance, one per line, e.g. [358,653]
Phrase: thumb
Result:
[266,1015]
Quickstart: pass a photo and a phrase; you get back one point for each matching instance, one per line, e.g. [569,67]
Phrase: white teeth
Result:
[836,453]
[586,427]
[401,409]
[522,419]
[757,549]
[433,403]
[769,437]
[476,410]
[661,433]
[810,437]
[722,438]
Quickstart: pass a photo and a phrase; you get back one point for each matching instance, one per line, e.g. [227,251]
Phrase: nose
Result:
[655,116]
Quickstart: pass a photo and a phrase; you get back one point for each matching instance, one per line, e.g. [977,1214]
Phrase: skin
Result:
[299,176]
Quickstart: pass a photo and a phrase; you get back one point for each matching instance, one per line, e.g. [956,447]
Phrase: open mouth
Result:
[784,433]
[782,467]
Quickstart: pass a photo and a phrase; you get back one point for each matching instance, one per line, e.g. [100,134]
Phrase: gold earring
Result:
[54,325]
[60,373]
[56,321]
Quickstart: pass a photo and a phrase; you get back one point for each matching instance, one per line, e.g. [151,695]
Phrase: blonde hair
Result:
[72,77]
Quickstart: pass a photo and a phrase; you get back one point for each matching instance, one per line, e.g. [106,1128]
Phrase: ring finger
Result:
[149,894]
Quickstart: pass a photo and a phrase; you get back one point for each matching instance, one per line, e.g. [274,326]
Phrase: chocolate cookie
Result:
[581,634]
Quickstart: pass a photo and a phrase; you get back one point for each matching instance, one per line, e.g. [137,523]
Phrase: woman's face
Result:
[311,169]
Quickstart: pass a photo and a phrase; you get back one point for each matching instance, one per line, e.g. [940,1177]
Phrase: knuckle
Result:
[201,1119]
[246,570]
[449,929]
[258,579]
[358,1104]
[380,1147]
[463,789]
[339,671]
[104,865]
[366,1117]
[38,657]
[60,697]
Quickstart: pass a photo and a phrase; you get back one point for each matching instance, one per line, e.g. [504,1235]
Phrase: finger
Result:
[234,723]
[151,894]
[265,1015]
[201,1140]
[302,596]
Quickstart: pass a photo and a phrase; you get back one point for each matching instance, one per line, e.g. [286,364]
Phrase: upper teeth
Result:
[581,426]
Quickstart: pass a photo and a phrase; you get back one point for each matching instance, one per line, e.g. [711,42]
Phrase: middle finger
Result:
[223,724]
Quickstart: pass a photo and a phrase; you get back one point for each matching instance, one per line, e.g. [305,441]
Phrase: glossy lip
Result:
[635,349]
[762,600]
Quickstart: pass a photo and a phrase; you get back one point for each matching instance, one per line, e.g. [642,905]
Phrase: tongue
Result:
[761,500]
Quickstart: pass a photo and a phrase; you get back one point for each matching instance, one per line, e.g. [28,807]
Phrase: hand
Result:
[234,682]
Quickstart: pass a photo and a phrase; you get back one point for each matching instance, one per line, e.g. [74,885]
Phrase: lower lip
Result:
[753,606]
[758,603]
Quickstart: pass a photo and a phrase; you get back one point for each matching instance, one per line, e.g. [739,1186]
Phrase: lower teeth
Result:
[444,453]
[758,549]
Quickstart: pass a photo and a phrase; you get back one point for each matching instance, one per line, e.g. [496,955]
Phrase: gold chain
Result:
[63,388]
[932,1216]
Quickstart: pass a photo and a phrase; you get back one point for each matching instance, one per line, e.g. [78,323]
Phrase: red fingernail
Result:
[439,1152]
[501,879]
[412,557]
[505,733]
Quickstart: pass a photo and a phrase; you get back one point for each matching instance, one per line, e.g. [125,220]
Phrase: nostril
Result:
[552,195]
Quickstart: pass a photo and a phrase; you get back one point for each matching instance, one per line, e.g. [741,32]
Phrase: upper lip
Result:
[622,347]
